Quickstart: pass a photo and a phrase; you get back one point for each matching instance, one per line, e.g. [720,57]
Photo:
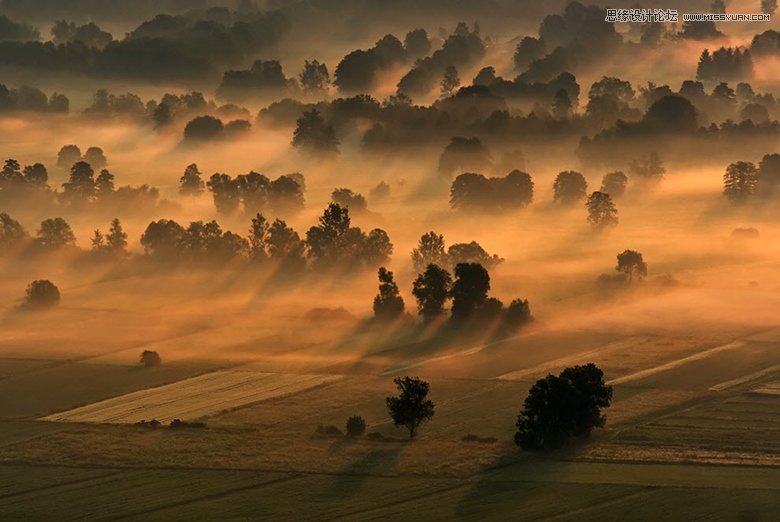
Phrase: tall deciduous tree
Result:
[411,407]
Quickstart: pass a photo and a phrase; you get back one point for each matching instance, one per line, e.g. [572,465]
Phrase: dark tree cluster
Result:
[356,71]
[88,34]
[27,98]
[69,155]
[602,212]
[334,242]
[561,407]
[251,193]
[84,188]
[16,181]
[431,249]
[11,31]
[265,77]
[743,179]
[209,128]
[725,64]
[114,242]
[166,47]
[462,49]
[314,135]
[166,240]
[475,192]
[348,199]
[573,40]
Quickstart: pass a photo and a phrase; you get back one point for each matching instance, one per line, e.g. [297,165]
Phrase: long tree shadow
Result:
[350,480]
[512,480]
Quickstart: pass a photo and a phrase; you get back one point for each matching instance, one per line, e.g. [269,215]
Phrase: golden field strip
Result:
[193,398]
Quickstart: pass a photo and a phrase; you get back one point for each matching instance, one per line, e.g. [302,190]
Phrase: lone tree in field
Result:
[558,408]
[150,358]
[410,407]
[42,294]
[388,304]
[740,181]
[602,212]
[630,263]
[432,289]
[569,187]
[356,426]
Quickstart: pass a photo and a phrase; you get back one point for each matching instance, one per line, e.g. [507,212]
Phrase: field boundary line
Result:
[646,490]
[211,496]
[564,361]
[677,363]
[745,378]
[59,484]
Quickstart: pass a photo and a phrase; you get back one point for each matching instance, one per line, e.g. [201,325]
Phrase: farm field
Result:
[193,398]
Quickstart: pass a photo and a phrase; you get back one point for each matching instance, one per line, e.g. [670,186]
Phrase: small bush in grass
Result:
[356,426]
[178,423]
[42,294]
[475,438]
[150,358]
[328,431]
[154,423]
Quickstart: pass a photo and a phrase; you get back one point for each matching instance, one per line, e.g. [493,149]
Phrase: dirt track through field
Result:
[193,398]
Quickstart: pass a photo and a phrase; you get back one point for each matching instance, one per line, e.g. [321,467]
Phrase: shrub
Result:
[356,426]
[328,431]
[150,358]
[42,294]
[178,423]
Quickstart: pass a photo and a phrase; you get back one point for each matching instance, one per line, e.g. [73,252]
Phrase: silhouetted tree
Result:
[203,128]
[464,154]
[163,239]
[388,304]
[42,293]
[569,187]
[226,192]
[562,105]
[191,183]
[602,212]
[378,248]
[429,251]
[356,426]
[36,175]
[55,233]
[12,233]
[104,184]
[315,77]
[471,253]
[450,81]
[648,168]
[285,247]
[614,184]
[411,407]
[769,174]
[740,181]
[432,289]
[150,358]
[718,7]
[417,44]
[68,155]
[95,157]
[558,408]
[528,50]
[469,291]
[81,184]
[516,315]
[313,134]
[347,199]
[285,194]
[116,239]
[631,264]
[98,240]
[769,7]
